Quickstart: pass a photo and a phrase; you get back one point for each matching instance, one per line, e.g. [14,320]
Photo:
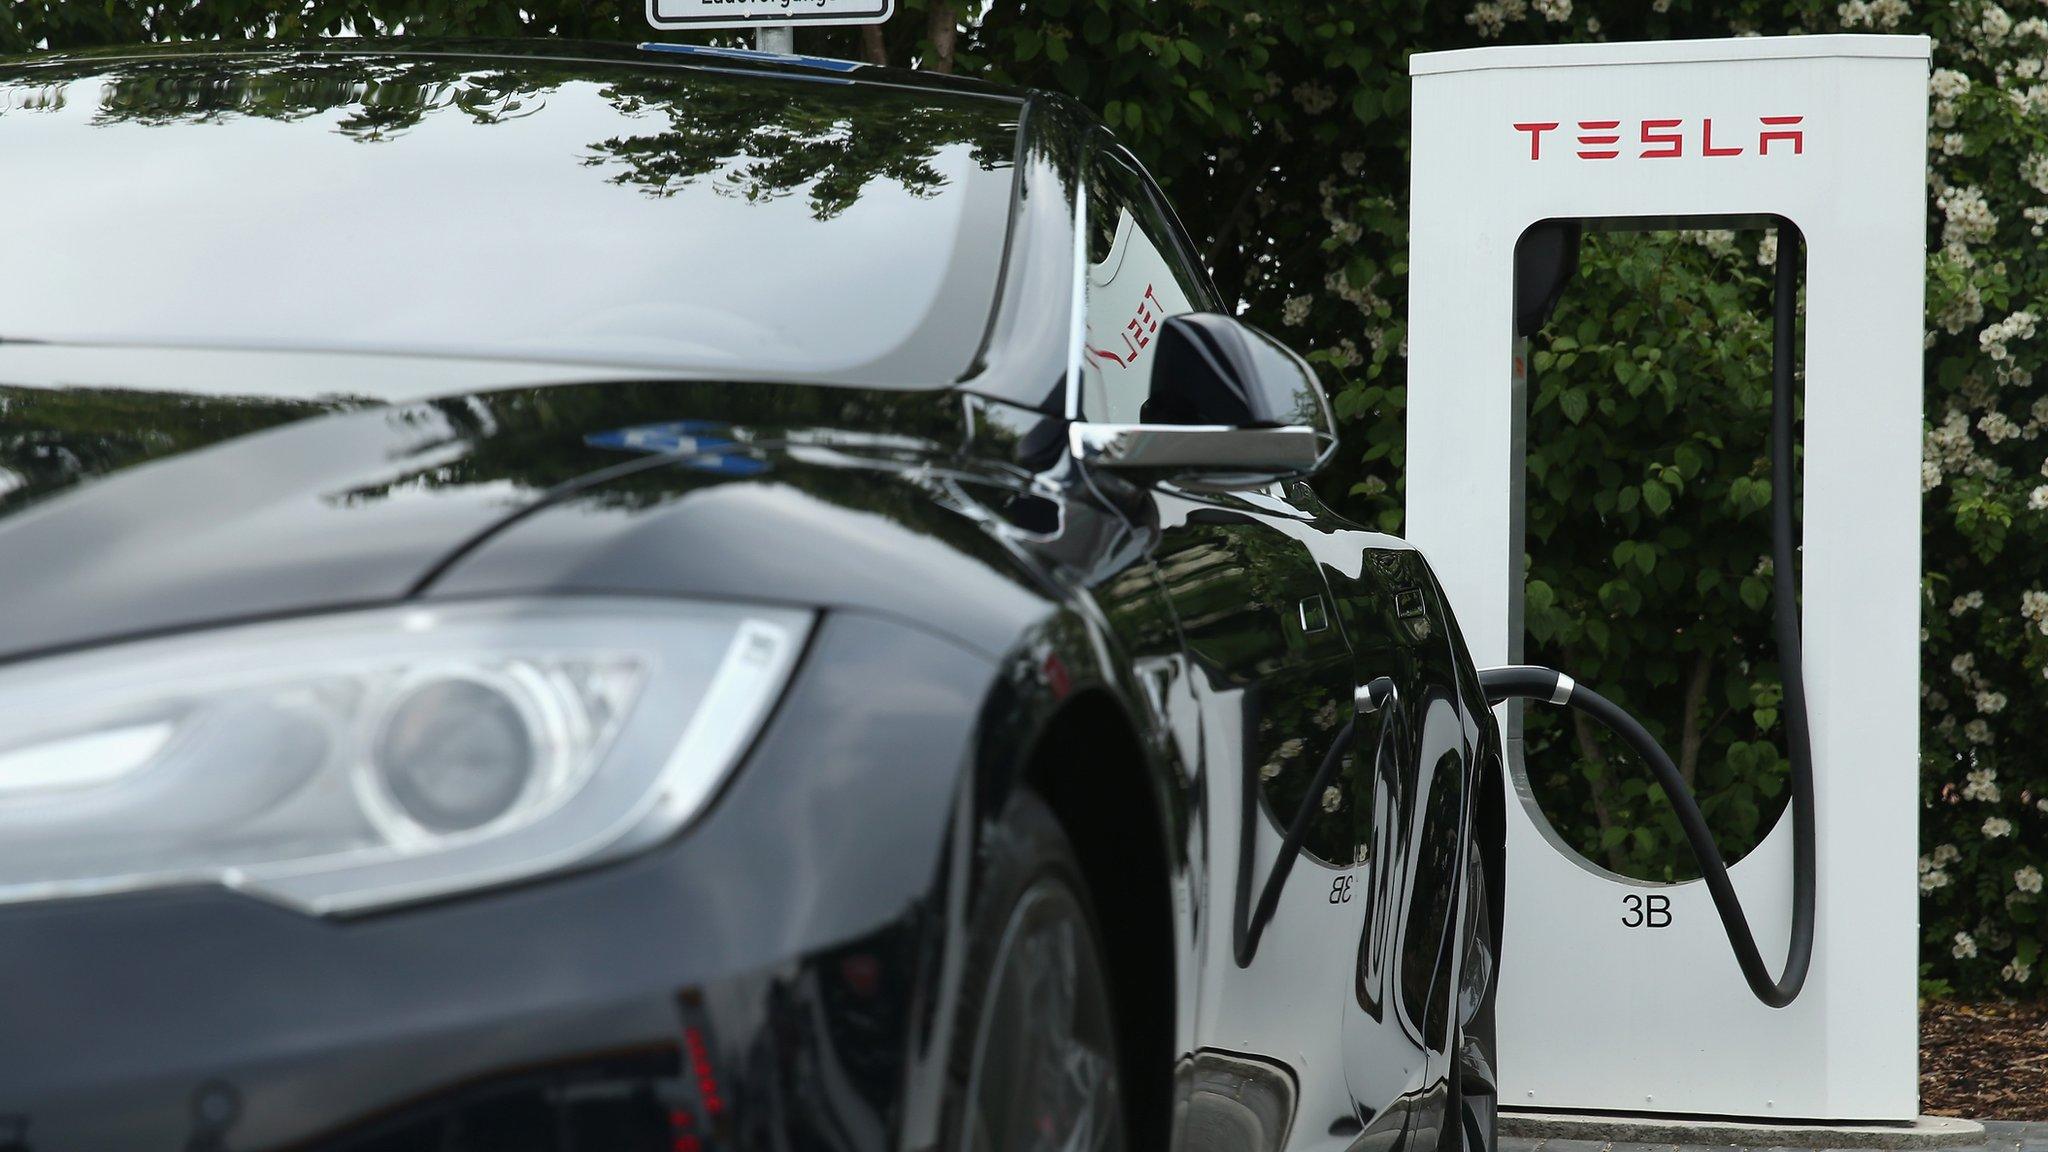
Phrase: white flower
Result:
[1332,798]
[1996,426]
[1767,249]
[1947,83]
[2034,604]
[1872,13]
[1315,99]
[1719,241]
[1946,854]
[1977,732]
[1555,11]
[2020,325]
[2034,170]
[2027,879]
[1996,827]
[1994,338]
[1994,25]
[1991,703]
[2017,972]
[1966,661]
[1983,783]
[1932,879]
[1488,19]
[2038,498]
[1966,946]
[1970,219]
[1295,310]
[1965,603]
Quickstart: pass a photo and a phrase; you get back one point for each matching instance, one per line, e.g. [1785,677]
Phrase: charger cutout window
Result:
[1659,364]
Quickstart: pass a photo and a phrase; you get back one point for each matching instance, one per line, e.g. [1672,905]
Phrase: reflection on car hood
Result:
[127,509]
[461,202]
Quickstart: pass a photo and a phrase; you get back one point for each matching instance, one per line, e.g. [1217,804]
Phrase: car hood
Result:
[150,490]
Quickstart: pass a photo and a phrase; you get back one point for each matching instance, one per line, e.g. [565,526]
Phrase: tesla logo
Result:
[1662,139]
[1137,333]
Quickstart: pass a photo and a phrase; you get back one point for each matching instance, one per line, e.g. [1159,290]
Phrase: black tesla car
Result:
[603,598]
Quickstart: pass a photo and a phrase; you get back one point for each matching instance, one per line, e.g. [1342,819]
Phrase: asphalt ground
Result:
[1999,1136]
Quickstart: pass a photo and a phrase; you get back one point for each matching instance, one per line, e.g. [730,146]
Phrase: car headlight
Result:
[357,760]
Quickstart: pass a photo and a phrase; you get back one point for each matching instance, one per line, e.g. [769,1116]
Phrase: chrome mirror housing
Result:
[1198,448]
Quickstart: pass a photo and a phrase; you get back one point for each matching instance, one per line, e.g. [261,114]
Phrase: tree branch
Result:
[1692,735]
[1235,218]
[872,49]
[1589,749]
[943,29]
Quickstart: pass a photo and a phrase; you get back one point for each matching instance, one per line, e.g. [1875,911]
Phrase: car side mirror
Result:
[1227,405]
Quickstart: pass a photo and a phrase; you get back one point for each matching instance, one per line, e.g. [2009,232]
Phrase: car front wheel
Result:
[1035,1060]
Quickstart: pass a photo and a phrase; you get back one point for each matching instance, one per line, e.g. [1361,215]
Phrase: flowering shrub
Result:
[1280,128]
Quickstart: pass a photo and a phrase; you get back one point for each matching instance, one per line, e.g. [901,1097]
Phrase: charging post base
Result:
[1620,995]
[1927,1132]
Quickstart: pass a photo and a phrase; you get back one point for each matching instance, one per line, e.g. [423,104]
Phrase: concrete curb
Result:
[1926,1132]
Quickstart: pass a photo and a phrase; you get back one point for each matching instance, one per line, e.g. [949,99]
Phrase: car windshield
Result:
[735,224]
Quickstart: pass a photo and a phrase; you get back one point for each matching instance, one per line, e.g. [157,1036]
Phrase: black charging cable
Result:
[1532,683]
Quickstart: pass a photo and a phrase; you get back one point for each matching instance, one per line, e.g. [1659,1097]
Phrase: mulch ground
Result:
[1984,1061]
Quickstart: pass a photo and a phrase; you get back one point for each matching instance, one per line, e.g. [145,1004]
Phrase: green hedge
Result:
[1280,128]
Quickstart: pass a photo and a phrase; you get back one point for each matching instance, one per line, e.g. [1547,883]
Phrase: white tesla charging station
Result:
[1601,1007]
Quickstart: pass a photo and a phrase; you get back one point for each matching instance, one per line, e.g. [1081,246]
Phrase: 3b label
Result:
[1651,910]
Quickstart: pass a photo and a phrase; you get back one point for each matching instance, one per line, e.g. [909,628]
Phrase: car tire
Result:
[1034,1063]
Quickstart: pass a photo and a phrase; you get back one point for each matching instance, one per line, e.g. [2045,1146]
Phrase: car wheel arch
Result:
[1087,761]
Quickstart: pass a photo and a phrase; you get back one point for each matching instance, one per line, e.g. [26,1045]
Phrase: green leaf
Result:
[1573,404]
[1755,593]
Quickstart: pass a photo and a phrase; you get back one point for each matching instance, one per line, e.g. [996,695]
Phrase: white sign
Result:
[756,13]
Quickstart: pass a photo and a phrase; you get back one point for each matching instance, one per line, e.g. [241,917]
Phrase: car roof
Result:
[278,175]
